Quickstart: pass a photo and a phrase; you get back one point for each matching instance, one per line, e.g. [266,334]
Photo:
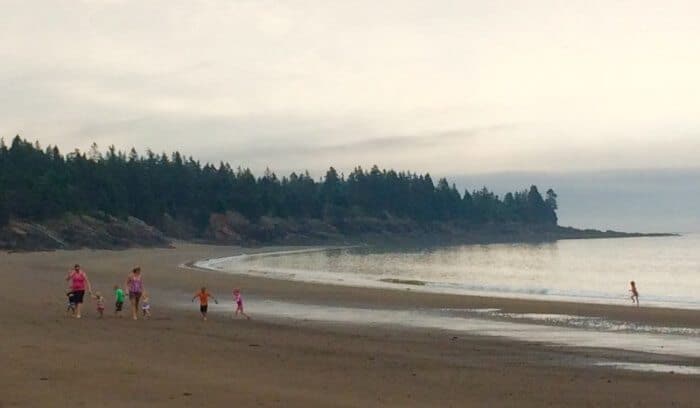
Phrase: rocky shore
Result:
[102,231]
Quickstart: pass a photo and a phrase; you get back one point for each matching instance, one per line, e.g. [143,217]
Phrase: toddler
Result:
[71,302]
[119,300]
[239,304]
[100,300]
[146,306]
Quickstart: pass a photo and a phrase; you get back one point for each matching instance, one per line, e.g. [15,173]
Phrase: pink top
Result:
[77,280]
[135,284]
[238,298]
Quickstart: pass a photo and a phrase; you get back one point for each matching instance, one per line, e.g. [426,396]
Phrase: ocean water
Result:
[654,340]
[666,269]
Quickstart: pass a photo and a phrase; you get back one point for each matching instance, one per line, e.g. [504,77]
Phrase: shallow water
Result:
[580,322]
[666,269]
[646,342]
[652,367]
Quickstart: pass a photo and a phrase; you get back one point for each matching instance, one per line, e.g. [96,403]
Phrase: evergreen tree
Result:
[39,184]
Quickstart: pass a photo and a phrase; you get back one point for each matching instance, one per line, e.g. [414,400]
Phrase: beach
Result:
[175,359]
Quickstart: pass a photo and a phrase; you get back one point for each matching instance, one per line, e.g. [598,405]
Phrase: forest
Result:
[42,183]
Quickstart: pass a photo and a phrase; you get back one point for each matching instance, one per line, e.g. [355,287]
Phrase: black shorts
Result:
[118,306]
[203,308]
[78,296]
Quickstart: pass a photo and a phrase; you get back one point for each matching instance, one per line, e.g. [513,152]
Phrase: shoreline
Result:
[405,285]
[107,232]
[293,362]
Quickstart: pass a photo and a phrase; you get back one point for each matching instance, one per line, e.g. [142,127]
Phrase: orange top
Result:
[203,298]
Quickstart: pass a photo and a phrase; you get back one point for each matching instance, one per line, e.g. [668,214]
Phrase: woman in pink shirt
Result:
[78,283]
[134,284]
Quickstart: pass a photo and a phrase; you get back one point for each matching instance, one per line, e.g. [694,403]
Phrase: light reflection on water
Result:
[652,367]
[666,269]
[646,342]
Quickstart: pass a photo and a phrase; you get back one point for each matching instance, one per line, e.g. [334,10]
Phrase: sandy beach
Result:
[175,359]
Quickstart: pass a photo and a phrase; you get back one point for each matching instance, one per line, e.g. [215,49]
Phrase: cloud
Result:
[403,84]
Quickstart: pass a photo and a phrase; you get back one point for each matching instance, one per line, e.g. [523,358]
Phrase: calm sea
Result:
[666,269]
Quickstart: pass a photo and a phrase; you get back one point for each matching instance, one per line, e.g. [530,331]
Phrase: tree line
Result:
[39,184]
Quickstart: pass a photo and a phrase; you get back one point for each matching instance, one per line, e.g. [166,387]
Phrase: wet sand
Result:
[176,360]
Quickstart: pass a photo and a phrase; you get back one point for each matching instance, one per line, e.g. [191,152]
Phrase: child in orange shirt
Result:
[204,296]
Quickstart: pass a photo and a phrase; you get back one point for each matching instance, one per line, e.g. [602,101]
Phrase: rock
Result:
[80,231]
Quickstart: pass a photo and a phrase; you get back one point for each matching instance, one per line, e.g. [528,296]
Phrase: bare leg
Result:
[134,308]
[77,310]
[240,310]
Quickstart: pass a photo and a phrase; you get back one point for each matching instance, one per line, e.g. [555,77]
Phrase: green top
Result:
[119,293]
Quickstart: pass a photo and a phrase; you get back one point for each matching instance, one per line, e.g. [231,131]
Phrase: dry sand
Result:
[175,360]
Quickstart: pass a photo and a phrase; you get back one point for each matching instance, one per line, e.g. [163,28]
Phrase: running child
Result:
[239,304]
[635,294]
[146,306]
[100,300]
[204,296]
[119,300]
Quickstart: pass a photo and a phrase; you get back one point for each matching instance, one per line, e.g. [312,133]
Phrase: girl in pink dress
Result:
[239,303]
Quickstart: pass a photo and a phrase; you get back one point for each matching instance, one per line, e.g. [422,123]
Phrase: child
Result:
[119,303]
[239,304]
[204,296]
[635,294]
[146,306]
[100,304]
[71,302]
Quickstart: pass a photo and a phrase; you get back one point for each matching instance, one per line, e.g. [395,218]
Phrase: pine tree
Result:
[40,184]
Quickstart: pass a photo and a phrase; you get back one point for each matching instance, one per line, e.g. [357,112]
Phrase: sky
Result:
[453,88]
[651,200]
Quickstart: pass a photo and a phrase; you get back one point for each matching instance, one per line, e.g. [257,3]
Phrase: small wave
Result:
[587,322]
[404,281]
[652,367]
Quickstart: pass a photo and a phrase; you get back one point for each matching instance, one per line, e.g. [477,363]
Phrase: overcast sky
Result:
[450,87]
